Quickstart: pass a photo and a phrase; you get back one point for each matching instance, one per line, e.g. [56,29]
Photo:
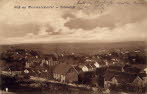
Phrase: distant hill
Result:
[76,47]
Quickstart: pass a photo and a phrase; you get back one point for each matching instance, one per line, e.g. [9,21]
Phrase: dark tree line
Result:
[16,58]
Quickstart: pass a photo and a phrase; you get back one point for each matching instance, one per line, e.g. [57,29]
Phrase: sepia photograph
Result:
[73,46]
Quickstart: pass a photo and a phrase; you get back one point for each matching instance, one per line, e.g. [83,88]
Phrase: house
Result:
[103,63]
[144,70]
[32,62]
[84,68]
[101,71]
[107,78]
[27,65]
[130,69]
[144,77]
[90,66]
[141,67]
[41,72]
[138,82]
[122,78]
[96,64]
[127,68]
[50,60]
[72,75]
[60,72]
[66,73]
[87,67]
[88,78]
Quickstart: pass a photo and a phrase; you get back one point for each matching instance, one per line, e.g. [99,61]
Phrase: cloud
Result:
[18,30]
[116,23]
[133,32]
[114,16]
[69,15]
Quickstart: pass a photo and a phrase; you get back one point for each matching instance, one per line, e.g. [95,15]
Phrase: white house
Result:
[90,67]
[84,68]
[97,65]
[145,70]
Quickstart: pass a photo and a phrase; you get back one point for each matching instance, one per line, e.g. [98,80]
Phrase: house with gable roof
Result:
[122,78]
[72,75]
[66,73]
[60,71]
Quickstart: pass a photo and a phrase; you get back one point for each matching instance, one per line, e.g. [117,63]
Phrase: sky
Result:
[122,20]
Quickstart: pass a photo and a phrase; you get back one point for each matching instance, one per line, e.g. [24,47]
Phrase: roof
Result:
[132,69]
[77,69]
[109,75]
[101,62]
[121,77]
[115,68]
[101,70]
[139,66]
[125,77]
[142,75]
[88,74]
[93,66]
[62,68]
[89,66]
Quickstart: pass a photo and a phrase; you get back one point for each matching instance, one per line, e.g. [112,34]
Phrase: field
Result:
[81,48]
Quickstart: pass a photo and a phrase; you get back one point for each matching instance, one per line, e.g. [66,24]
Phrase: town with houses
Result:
[117,69]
